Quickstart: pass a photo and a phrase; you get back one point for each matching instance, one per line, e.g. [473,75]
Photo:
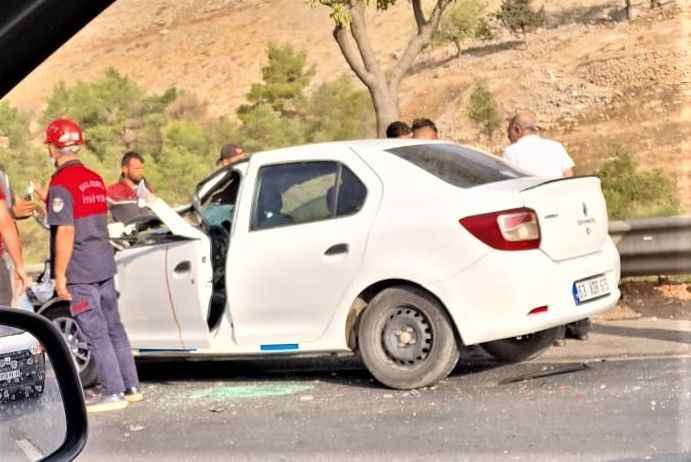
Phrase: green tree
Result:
[340,111]
[631,193]
[186,158]
[20,156]
[350,25]
[276,114]
[113,111]
[519,15]
[264,128]
[281,114]
[483,109]
[465,20]
[284,80]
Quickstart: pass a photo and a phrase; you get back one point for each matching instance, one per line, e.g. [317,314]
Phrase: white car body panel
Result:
[285,295]
[316,282]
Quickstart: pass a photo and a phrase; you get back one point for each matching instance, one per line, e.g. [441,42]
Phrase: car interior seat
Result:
[270,206]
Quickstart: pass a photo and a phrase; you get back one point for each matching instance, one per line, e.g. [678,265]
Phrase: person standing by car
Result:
[123,201]
[18,209]
[230,154]
[12,245]
[398,129]
[534,154]
[545,158]
[425,129]
[84,265]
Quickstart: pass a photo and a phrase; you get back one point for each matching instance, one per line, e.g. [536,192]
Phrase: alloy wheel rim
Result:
[76,341]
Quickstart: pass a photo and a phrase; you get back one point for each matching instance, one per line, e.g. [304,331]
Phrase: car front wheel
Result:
[59,314]
[522,348]
[406,339]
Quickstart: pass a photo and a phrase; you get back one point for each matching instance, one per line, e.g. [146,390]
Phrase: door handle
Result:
[336,249]
[183,267]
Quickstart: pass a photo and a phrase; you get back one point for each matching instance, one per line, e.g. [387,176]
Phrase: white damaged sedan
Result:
[400,250]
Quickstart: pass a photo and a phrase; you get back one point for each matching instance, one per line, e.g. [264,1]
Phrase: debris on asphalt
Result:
[412,394]
[249,391]
[217,410]
[306,398]
[545,373]
[136,428]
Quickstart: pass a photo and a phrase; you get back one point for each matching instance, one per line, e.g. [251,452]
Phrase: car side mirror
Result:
[42,411]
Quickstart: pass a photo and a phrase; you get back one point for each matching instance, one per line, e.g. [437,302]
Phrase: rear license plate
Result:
[10,375]
[590,289]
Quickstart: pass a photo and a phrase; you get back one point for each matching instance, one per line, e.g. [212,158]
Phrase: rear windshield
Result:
[457,165]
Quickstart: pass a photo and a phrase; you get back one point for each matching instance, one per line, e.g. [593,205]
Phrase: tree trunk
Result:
[382,85]
[385,106]
[629,10]
[457,44]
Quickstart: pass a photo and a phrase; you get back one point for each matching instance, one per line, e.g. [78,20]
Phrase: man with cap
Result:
[230,154]
[83,264]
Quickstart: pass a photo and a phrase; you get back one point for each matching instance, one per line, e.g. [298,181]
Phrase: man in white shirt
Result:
[534,154]
[544,158]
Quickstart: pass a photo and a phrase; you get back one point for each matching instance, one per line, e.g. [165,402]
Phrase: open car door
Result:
[165,282]
[172,280]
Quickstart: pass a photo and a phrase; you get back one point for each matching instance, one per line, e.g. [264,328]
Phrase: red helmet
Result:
[64,132]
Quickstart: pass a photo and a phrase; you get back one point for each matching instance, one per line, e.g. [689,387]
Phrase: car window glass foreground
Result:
[457,165]
[306,192]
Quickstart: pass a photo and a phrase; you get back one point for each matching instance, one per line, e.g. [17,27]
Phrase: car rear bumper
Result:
[491,299]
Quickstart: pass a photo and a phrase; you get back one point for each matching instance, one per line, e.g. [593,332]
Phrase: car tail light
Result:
[516,229]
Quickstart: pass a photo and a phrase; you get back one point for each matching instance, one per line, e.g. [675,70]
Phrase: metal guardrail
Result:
[653,246]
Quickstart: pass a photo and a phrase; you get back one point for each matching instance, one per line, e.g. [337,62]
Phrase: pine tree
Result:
[483,110]
[519,15]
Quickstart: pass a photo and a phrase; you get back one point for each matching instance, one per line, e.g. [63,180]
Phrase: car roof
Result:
[358,145]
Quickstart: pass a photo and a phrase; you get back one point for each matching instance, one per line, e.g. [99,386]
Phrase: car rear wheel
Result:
[522,348]
[59,314]
[406,340]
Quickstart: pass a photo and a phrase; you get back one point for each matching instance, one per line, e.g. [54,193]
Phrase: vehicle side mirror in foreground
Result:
[42,411]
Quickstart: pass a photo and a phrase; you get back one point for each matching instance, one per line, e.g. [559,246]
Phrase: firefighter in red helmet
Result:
[83,265]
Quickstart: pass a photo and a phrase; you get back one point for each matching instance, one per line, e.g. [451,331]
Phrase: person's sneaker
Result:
[106,403]
[133,395]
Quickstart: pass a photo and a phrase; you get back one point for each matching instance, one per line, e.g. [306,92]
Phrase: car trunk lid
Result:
[572,214]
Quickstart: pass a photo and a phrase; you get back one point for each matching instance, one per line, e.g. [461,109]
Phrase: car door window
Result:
[295,193]
[219,207]
[351,193]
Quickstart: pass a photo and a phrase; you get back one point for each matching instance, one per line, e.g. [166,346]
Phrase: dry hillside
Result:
[593,79]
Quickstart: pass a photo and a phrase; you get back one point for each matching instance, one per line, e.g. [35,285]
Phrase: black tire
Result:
[59,314]
[517,349]
[406,339]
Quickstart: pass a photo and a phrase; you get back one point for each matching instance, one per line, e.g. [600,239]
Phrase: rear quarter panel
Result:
[416,235]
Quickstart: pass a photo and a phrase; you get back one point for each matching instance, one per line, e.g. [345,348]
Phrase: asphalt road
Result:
[615,410]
